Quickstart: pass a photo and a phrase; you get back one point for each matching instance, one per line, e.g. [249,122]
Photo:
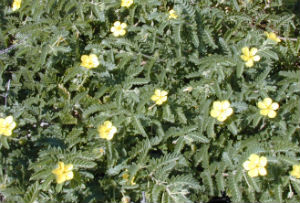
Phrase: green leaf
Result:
[197,137]
[234,188]
[167,114]
[268,53]
[233,129]
[138,126]
[210,127]
[181,116]
[32,193]
[251,182]
[4,142]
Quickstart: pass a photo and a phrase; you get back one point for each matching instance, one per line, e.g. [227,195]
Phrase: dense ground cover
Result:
[149,100]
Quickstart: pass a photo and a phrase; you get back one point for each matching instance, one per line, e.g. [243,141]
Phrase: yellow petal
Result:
[217,105]
[157,92]
[267,34]
[159,102]
[123,25]
[57,171]
[264,112]
[245,51]
[256,58]
[69,175]
[267,101]
[9,119]
[60,178]
[228,112]
[111,133]
[122,32]
[263,161]
[246,165]
[154,98]
[249,63]
[84,58]
[254,158]
[261,105]
[275,106]
[7,132]
[222,117]
[164,93]
[68,167]
[245,58]
[1,121]
[107,124]
[225,104]
[12,125]
[272,114]
[262,171]
[253,51]
[214,113]
[253,173]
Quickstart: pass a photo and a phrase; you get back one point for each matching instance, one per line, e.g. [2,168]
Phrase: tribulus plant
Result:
[149,101]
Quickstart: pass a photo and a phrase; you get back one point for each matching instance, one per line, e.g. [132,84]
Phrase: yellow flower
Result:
[159,97]
[272,36]
[89,61]
[296,171]
[256,165]
[118,29]
[172,14]
[249,56]
[16,5]
[107,130]
[7,125]
[126,3]
[221,110]
[63,172]
[268,107]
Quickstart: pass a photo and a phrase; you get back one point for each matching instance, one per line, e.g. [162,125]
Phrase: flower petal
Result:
[275,106]
[69,175]
[253,173]
[263,161]
[217,105]
[9,119]
[228,112]
[154,98]
[245,51]
[246,165]
[107,124]
[117,23]
[262,171]
[68,167]
[245,58]
[261,105]
[253,51]
[264,112]
[249,63]
[225,104]
[256,58]
[157,92]
[164,93]
[272,114]
[267,101]
[123,25]
[214,113]
[254,158]
[60,178]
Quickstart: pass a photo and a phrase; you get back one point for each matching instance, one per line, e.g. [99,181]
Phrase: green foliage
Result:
[174,152]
